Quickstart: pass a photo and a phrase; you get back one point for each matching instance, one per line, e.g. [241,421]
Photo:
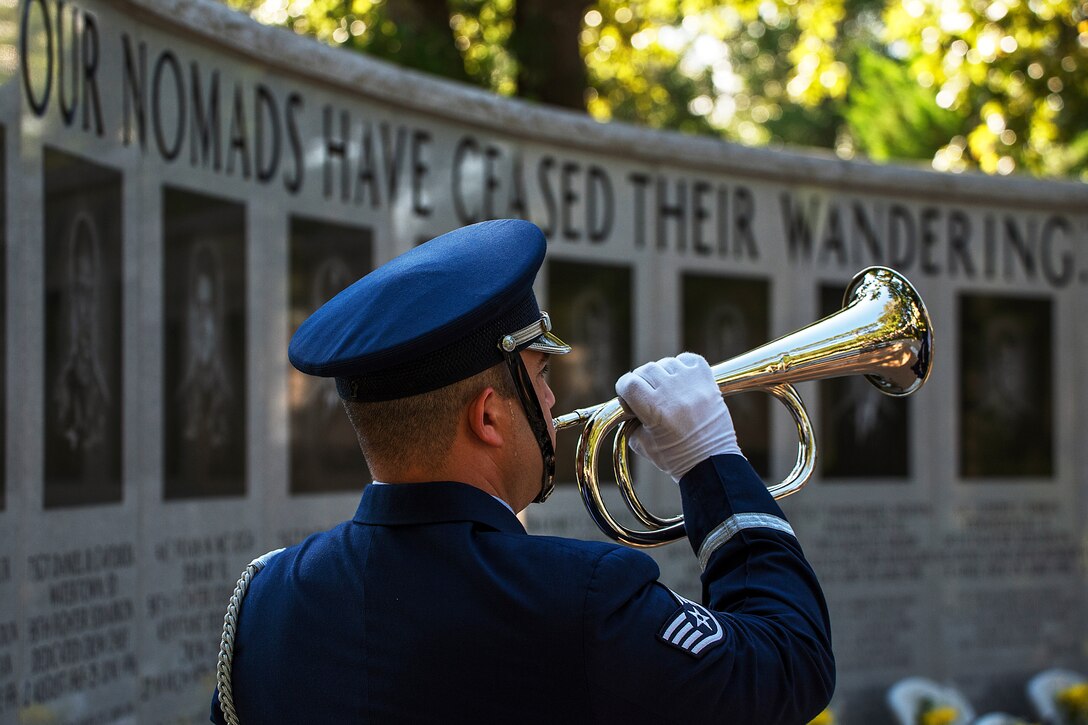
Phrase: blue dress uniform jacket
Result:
[433,605]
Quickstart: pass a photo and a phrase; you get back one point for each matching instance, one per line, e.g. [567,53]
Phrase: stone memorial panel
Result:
[872,543]
[325,455]
[863,433]
[184,610]
[1010,540]
[886,633]
[724,317]
[1006,371]
[1010,609]
[83,332]
[590,306]
[205,336]
[79,637]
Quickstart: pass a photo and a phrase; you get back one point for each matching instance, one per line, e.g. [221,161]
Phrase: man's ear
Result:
[487,418]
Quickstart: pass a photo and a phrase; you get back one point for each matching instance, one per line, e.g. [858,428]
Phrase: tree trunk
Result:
[545,41]
[423,27]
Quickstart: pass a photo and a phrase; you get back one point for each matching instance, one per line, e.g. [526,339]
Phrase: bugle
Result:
[882,332]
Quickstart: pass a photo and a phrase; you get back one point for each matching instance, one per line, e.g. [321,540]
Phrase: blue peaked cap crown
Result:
[429,317]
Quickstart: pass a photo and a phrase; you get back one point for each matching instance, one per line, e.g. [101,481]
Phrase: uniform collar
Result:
[403,504]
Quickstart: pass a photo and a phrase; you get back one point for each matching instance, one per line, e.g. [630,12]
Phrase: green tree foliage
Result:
[459,39]
[1014,71]
[736,69]
[995,85]
[891,116]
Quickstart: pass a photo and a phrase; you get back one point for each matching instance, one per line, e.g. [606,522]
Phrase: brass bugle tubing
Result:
[882,332]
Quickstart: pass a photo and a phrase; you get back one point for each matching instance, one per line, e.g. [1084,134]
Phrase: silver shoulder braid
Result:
[230,628]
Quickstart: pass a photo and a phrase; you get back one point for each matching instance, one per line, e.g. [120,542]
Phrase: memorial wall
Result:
[181,187]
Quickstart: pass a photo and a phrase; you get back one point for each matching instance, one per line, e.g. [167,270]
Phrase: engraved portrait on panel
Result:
[592,323]
[856,410]
[325,258]
[205,392]
[725,334]
[722,318]
[863,433]
[1006,391]
[204,339]
[725,331]
[82,393]
[590,305]
[332,275]
[1006,405]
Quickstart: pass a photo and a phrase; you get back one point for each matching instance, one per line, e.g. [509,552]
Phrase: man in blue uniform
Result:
[433,605]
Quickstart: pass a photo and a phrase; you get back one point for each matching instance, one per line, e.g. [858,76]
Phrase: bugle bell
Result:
[882,332]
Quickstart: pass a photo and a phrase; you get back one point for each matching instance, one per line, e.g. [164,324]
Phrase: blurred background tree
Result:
[995,85]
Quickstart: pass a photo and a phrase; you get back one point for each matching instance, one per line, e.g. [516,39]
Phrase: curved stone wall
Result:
[181,186]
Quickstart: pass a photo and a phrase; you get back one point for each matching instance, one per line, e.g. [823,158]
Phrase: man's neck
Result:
[483,475]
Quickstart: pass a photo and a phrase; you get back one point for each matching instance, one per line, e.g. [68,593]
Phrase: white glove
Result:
[684,419]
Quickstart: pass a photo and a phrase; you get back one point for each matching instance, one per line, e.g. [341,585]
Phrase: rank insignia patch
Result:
[693,628]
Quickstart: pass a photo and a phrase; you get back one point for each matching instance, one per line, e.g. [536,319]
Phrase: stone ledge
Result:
[361,75]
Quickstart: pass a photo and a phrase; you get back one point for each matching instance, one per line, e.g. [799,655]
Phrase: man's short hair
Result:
[420,427]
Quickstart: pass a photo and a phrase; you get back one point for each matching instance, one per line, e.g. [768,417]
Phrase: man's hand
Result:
[684,419]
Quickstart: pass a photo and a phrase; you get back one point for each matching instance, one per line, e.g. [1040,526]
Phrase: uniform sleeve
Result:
[756,651]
